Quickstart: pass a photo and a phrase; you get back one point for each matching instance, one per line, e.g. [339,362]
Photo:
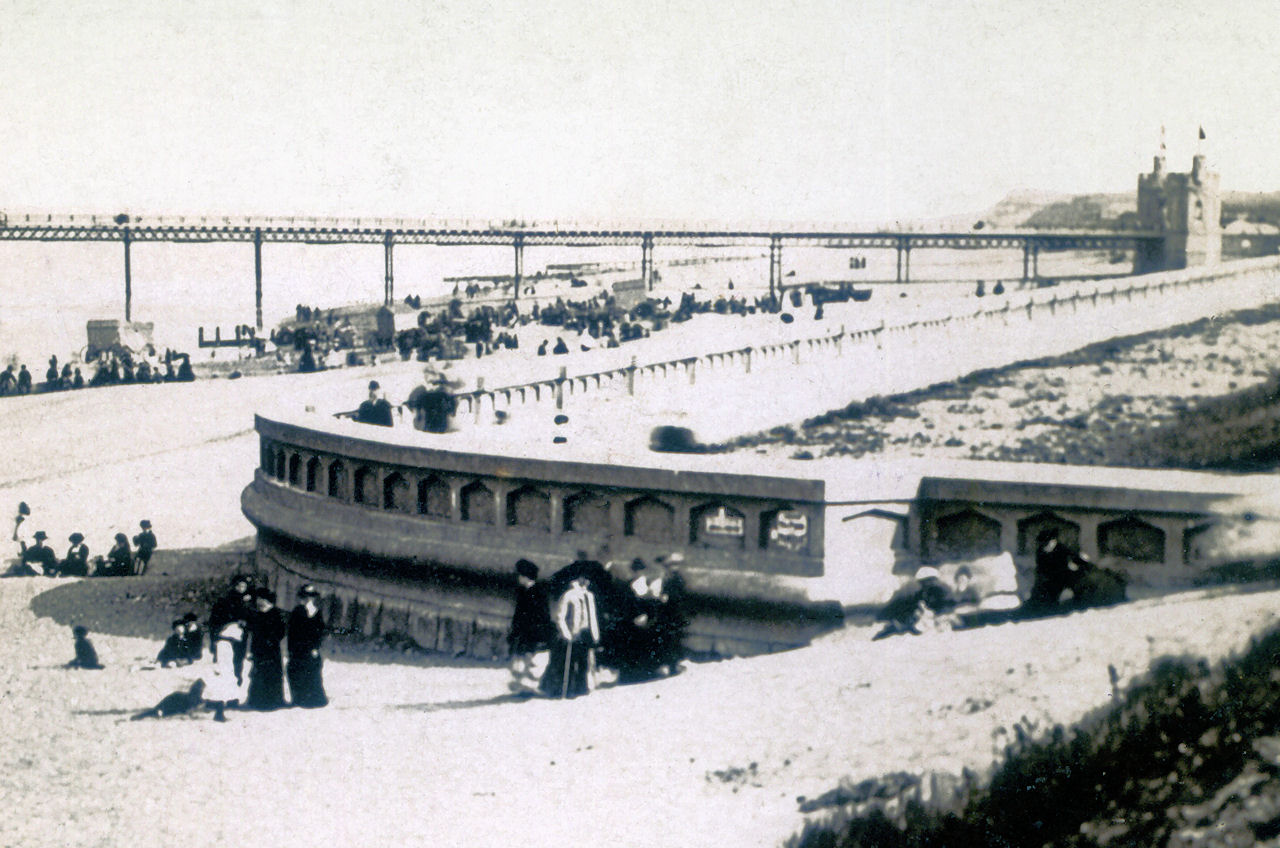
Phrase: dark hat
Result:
[525,568]
[177,622]
[120,537]
[190,617]
[40,534]
[308,591]
[144,524]
[76,538]
[23,509]
[238,578]
[265,595]
[80,630]
[637,564]
[373,384]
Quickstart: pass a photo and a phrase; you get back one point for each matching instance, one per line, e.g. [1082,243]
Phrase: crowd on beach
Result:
[109,367]
[591,623]
[245,628]
[36,558]
[1064,580]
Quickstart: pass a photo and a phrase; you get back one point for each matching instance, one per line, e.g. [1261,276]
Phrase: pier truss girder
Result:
[508,236]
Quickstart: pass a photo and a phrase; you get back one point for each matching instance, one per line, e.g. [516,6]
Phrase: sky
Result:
[787,110]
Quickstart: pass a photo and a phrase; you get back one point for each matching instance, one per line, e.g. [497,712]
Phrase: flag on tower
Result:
[1202,133]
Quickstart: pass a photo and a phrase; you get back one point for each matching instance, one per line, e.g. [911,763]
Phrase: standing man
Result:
[145,544]
[267,628]
[305,669]
[577,634]
[375,410]
[433,404]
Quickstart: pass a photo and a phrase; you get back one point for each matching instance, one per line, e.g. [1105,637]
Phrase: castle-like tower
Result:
[1187,209]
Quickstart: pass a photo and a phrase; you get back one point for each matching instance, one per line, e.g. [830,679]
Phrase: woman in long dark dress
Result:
[306,632]
[267,629]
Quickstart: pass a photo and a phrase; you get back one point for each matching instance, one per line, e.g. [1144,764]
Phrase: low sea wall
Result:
[727,393]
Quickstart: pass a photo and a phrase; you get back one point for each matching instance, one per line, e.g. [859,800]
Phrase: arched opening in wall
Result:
[433,498]
[313,473]
[280,464]
[476,502]
[1030,528]
[650,520]
[784,529]
[395,492]
[966,534]
[337,479]
[363,490]
[586,512]
[529,508]
[1131,538]
[295,469]
[717,525]
[1195,544]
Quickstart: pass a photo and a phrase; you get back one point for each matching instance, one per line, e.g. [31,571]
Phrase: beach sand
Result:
[434,752]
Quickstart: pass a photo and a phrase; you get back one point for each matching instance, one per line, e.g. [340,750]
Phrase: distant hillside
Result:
[1047,210]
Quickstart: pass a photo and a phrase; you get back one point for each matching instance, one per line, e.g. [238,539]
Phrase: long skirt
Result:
[266,685]
[575,658]
[306,682]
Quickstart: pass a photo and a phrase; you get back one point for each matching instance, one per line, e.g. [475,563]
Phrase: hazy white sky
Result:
[744,109]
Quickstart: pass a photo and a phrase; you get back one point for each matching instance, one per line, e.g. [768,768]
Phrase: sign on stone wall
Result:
[789,530]
[722,522]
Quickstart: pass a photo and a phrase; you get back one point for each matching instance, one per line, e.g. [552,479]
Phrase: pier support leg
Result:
[646,262]
[1026,260]
[389,282]
[518,243]
[898,276]
[775,268]
[128,278]
[906,264]
[257,277]
[1035,262]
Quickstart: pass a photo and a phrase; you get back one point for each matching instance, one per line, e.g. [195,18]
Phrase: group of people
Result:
[109,367]
[245,624]
[1064,581]
[431,404]
[36,558]
[589,620]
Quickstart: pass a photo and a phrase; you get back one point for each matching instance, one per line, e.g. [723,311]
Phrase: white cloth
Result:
[220,675]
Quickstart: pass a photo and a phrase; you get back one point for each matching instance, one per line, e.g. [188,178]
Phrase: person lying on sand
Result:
[175,703]
[86,656]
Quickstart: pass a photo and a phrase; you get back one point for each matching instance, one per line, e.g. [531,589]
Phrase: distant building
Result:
[1187,209]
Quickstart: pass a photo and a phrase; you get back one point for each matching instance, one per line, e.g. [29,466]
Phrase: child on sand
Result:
[86,656]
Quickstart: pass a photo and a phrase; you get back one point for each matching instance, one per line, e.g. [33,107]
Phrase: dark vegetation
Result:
[1236,432]
[1188,756]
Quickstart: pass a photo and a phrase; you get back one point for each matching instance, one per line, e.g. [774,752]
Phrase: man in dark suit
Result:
[375,410]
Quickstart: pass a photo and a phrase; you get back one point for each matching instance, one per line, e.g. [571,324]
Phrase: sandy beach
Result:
[434,752]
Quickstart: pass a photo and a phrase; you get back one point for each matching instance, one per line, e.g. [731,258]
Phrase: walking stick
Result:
[568,652]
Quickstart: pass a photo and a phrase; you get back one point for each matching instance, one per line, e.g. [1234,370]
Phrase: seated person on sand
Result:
[176,650]
[918,606]
[86,656]
[40,554]
[77,562]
